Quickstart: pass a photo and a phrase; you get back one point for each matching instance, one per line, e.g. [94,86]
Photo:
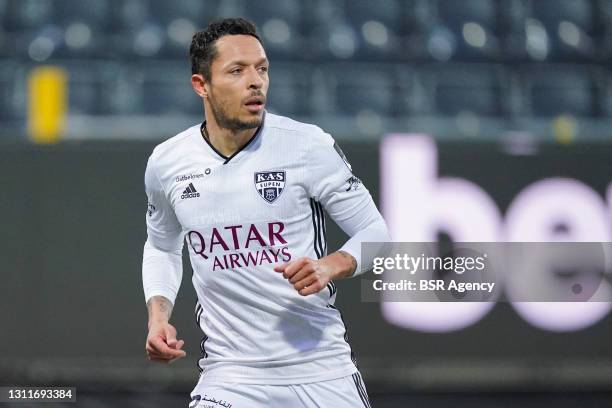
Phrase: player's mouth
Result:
[255,104]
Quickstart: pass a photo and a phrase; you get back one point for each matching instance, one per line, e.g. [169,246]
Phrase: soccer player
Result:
[247,190]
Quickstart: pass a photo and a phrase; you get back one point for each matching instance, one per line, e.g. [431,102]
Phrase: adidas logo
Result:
[190,192]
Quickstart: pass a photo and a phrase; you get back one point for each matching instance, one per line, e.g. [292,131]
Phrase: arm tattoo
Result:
[353,261]
[161,305]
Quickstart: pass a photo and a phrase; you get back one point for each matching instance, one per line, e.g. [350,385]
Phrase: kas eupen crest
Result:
[270,184]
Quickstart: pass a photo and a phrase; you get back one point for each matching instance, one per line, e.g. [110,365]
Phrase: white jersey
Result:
[240,216]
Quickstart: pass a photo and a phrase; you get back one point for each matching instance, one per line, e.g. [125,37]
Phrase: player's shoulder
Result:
[174,147]
[297,132]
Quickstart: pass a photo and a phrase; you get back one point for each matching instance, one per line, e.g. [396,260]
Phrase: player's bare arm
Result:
[162,345]
[309,276]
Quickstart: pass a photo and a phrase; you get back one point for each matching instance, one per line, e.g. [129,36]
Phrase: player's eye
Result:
[236,71]
[263,69]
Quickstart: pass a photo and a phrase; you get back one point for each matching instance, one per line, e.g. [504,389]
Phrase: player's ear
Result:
[198,82]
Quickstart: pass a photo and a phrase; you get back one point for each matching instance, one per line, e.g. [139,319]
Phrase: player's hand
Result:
[162,345]
[307,275]
[310,276]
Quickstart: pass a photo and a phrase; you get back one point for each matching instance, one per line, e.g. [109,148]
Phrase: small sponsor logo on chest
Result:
[184,177]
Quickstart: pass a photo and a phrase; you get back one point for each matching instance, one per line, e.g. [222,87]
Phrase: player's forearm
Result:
[343,264]
[160,310]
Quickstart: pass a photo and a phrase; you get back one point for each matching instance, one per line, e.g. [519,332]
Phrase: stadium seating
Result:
[477,89]
[9,109]
[281,26]
[570,26]
[395,58]
[358,88]
[472,27]
[557,90]
[166,89]
[92,87]
[290,92]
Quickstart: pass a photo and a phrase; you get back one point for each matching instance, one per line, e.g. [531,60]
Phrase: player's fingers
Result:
[157,344]
[153,354]
[305,271]
[157,356]
[159,352]
[179,345]
[281,267]
[304,283]
[150,350]
[171,354]
[148,347]
[284,266]
[295,266]
[170,333]
[160,347]
[314,287]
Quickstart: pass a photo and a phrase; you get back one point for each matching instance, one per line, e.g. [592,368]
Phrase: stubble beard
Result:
[224,120]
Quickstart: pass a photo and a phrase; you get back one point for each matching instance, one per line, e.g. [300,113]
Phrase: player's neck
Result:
[227,141]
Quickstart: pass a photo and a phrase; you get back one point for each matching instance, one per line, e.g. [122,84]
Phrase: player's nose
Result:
[255,79]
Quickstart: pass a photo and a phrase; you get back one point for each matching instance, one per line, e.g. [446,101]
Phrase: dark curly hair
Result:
[203,51]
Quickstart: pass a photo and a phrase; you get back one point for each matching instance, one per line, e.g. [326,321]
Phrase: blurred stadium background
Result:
[503,93]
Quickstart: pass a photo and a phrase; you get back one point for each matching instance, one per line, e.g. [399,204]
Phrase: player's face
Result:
[239,82]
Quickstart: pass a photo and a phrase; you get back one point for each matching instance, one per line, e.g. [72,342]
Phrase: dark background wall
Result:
[72,220]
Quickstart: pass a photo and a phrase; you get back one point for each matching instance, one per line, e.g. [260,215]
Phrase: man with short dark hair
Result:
[247,191]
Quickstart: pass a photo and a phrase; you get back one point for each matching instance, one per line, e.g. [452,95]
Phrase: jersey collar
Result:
[226,159]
